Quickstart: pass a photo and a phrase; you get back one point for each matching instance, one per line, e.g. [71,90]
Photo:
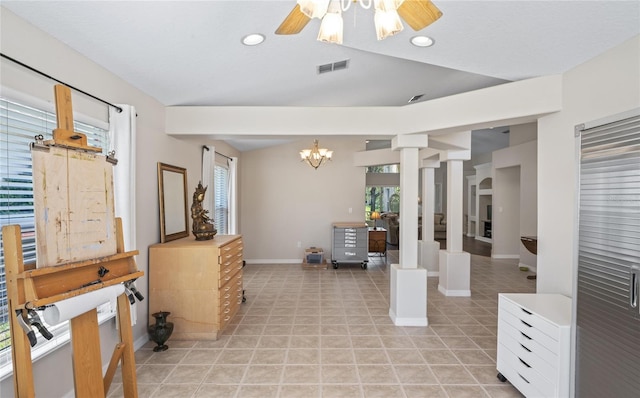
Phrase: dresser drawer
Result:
[526,316]
[228,271]
[528,331]
[231,251]
[350,254]
[538,357]
[231,300]
[523,376]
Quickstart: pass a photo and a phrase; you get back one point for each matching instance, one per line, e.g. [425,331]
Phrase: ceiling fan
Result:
[417,13]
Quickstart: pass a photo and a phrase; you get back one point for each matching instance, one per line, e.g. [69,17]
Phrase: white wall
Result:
[606,85]
[506,239]
[506,213]
[285,201]
[519,134]
[32,47]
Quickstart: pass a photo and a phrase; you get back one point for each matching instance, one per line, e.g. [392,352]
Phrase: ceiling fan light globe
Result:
[386,5]
[314,8]
[331,28]
[387,23]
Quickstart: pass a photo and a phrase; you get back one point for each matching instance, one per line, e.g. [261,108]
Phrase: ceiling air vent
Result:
[415,98]
[333,66]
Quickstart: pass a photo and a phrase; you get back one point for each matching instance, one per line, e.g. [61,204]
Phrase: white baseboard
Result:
[274,261]
[407,321]
[140,342]
[454,293]
[433,274]
[506,256]
[483,239]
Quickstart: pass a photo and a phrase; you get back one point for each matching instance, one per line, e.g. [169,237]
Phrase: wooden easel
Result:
[29,288]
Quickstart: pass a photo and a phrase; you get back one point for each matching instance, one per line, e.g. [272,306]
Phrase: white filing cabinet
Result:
[534,343]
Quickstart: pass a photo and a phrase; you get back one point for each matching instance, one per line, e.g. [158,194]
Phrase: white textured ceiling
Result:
[189,52]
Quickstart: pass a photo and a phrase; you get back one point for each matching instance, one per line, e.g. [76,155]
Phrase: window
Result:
[19,124]
[221,199]
[382,194]
[381,199]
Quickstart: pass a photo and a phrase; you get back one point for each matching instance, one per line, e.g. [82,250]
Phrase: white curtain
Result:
[233,195]
[208,168]
[122,138]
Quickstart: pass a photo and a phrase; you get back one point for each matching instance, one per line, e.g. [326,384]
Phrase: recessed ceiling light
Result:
[253,39]
[422,41]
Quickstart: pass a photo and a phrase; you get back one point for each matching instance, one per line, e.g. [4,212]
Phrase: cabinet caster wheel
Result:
[364,265]
[335,265]
[501,377]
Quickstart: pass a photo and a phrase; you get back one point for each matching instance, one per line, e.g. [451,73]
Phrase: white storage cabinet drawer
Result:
[534,343]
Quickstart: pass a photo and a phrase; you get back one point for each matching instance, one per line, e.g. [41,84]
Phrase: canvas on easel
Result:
[74,206]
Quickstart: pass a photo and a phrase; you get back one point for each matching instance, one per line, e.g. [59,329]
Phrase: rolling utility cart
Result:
[350,244]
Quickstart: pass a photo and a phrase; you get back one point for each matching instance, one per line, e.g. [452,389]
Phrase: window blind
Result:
[221,193]
[19,124]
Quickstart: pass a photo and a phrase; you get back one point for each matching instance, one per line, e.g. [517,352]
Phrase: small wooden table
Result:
[378,241]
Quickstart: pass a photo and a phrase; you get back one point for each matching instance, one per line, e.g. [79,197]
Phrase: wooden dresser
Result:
[199,282]
[378,240]
[534,342]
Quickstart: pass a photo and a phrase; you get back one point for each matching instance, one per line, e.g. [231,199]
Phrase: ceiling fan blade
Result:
[419,13]
[293,23]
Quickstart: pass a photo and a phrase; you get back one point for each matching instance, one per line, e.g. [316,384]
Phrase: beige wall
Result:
[285,201]
[507,189]
[32,47]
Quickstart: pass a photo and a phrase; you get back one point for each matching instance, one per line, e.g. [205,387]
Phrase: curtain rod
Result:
[59,81]
[217,153]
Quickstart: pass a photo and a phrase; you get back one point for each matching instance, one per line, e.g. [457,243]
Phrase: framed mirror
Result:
[172,192]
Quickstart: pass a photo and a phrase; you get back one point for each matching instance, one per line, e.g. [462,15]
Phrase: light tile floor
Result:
[327,333]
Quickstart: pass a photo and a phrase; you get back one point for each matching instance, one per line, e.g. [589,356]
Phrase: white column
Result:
[428,247]
[455,183]
[455,270]
[409,174]
[408,281]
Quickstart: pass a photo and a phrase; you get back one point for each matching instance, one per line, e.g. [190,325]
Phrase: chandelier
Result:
[386,18]
[316,157]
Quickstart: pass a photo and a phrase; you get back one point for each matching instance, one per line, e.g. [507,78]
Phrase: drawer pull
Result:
[525,323]
[523,378]
[527,337]
[227,310]
[226,296]
[524,363]
[226,271]
[528,312]
[522,345]
[226,318]
[239,282]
